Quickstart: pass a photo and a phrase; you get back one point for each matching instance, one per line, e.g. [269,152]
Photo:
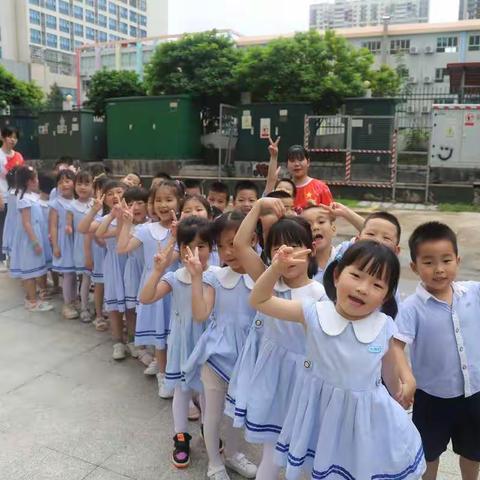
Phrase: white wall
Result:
[157,17]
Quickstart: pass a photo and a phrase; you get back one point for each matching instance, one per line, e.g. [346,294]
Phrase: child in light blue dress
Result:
[12,213]
[76,212]
[342,421]
[62,241]
[193,232]
[224,299]
[261,386]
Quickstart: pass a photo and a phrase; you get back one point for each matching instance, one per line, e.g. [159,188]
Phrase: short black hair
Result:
[374,258]
[9,130]
[97,169]
[163,175]
[135,194]
[110,185]
[297,152]
[10,177]
[279,194]
[227,221]
[219,187]
[245,185]
[192,183]
[291,182]
[65,173]
[431,232]
[83,176]
[198,198]
[100,182]
[23,175]
[65,159]
[190,227]
[46,183]
[387,216]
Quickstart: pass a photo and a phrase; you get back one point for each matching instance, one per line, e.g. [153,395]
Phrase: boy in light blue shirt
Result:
[441,323]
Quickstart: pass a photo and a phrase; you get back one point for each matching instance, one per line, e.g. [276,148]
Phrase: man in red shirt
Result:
[309,190]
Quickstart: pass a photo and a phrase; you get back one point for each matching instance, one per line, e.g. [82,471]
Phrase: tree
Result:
[308,67]
[199,64]
[55,98]
[112,84]
[385,82]
[17,93]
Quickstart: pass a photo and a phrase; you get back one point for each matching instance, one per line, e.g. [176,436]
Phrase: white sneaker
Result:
[218,473]
[132,350]
[242,465]
[3,267]
[85,316]
[119,351]
[152,369]
[163,392]
[38,306]
[69,312]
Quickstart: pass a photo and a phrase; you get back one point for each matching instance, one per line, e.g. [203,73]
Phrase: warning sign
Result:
[264,127]
[469,119]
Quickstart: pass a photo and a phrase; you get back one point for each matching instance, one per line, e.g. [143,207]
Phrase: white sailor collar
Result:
[32,196]
[313,290]
[229,279]
[458,290]
[183,275]
[64,202]
[157,231]
[82,207]
[43,203]
[333,324]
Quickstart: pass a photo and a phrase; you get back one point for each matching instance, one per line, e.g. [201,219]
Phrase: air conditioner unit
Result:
[428,79]
[413,50]
[426,109]
[412,80]
[429,49]
[410,109]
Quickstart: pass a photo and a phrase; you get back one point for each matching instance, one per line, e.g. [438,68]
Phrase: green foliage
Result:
[112,84]
[308,67]
[17,93]
[199,64]
[55,98]
[385,82]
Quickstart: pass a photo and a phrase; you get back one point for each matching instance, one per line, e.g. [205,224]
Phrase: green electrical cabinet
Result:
[78,134]
[164,128]
[27,126]
[259,120]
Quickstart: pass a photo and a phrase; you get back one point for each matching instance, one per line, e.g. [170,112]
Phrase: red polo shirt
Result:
[313,191]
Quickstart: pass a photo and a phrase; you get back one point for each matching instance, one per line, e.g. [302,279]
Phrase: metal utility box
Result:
[259,120]
[166,127]
[455,136]
[78,134]
[27,126]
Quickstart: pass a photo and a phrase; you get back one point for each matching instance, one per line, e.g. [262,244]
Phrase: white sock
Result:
[181,400]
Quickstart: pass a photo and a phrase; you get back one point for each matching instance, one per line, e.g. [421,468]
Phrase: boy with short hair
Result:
[193,186]
[286,199]
[245,195]
[440,323]
[218,196]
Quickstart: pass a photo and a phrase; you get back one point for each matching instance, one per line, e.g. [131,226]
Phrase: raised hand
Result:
[273,148]
[192,262]
[338,209]
[127,212]
[163,258]
[174,224]
[98,202]
[117,211]
[274,205]
[287,257]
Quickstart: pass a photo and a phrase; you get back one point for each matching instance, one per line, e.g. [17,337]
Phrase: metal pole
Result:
[386,21]
[220,129]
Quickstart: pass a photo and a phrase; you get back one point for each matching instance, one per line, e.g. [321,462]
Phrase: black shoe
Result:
[181,452]
[220,443]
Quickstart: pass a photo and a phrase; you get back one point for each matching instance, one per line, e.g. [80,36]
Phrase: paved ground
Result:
[69,412]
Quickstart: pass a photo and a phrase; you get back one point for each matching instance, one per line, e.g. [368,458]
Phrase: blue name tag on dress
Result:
[375,348]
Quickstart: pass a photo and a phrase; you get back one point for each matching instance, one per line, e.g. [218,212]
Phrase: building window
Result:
[64,7]
[123,12]
[34,17]
[90,3]
[35,36]
[374,46]
[78,30]
[35,2]
[65,43]
[90,33]
[133,3]
[102,36]
[90,16]
[143,33]
[133,31]
[102,5]
[474,42]
[112,8]
[78,12]
[398,46]
[123,28]
[447,44]
[133,16]
[112,24]
[51,21]
[363,13]
[440,74]
[64,25]
[52,40]
[374,12]
[51,5]
[102,20]
[113,37]
[78,43]
[142,5]
[142,20]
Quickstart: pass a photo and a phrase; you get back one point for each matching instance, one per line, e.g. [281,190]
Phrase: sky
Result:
[263,17]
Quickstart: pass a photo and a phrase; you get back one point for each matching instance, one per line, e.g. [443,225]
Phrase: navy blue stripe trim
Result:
[24,272]
[113,302]
[331,470]
[222,374]
[399,476]
[256,427]
[229,399]
[62,269]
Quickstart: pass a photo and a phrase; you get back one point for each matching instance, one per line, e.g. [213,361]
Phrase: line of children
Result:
[313,368]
